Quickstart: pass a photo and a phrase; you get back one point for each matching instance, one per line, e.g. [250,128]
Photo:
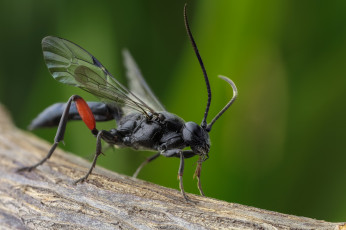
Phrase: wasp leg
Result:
[149,159]
[110,138]
[98,152]
[59,134]
[29,168]
[51,116]
[198,175]
[181,154]
[180,175]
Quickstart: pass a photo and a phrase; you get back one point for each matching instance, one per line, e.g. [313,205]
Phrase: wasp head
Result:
[197,138]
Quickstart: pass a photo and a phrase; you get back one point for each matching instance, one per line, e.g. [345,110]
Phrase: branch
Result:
[46,198]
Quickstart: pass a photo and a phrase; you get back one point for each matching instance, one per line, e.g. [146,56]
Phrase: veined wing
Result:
[138,85]
[71,64]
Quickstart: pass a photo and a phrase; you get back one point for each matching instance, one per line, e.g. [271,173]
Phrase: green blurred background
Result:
[280,147]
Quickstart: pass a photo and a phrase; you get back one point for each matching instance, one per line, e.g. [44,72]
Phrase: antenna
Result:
[204,121]
[235,94]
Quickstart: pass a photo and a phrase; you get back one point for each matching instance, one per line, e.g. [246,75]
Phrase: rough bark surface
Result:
[46,198]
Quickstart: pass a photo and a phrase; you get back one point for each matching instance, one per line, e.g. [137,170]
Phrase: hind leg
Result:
[86,115]
[101,135]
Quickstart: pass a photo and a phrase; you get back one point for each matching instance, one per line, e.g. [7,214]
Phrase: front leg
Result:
[181,154]
[198,175]
[180,175]
[176,153]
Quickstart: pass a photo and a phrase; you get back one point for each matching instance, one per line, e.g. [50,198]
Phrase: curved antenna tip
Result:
[234,87]
[235,95]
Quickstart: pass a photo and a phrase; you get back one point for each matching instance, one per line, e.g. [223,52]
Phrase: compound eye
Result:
[192,132]
[194,128]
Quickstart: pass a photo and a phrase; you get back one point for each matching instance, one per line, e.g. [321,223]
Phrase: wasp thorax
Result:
[196,137]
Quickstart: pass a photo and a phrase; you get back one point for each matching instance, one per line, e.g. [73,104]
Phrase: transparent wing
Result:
[138,85]
[71,64]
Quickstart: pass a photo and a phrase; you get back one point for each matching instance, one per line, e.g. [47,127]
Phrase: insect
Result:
[142,121]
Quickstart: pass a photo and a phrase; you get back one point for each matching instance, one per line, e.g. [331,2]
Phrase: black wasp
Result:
[142,121]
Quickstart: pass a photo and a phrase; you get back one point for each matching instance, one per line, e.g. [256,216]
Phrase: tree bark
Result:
[46,197]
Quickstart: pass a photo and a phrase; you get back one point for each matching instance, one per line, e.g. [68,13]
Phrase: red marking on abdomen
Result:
[85,113]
